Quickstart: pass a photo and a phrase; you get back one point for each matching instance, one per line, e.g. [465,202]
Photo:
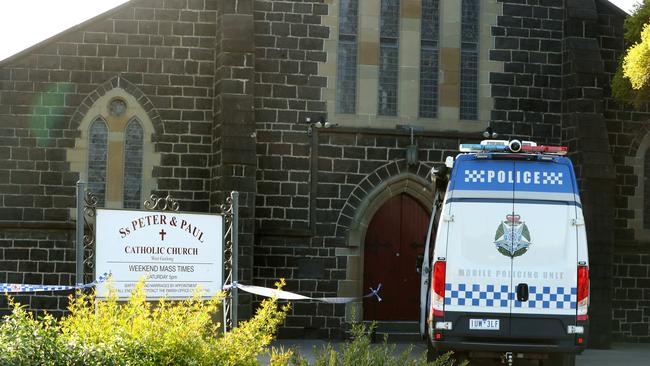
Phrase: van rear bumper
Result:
[458,345]
[523,333]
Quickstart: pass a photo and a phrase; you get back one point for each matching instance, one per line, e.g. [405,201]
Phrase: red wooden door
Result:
[394,239]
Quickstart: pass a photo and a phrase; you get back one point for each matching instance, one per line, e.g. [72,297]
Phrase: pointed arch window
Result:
[469,55]
[115,153]
[133,141]
[346,71]
[388,57]
[97,159]
[429,59]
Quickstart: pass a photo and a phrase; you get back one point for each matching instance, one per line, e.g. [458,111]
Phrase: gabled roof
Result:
[79,27]
[614,8]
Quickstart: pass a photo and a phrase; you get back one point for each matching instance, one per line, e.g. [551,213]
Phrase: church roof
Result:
[54,38]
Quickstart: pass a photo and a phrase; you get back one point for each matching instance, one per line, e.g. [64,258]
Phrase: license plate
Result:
[484,324]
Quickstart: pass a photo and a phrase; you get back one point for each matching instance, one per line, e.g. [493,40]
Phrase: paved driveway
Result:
[625,354]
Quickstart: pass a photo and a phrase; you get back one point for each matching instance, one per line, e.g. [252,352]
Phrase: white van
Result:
[508,274]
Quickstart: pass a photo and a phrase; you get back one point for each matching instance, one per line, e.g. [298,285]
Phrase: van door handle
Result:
[522,292]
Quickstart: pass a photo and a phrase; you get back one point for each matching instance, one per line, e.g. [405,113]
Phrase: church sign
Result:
[175,252]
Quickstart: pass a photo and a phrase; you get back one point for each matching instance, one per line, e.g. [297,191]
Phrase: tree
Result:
[632,79]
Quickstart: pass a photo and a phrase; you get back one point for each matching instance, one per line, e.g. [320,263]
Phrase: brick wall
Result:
[350,166]
[528,93]
[162,52]
[631,304]
[626,129]
[29,254]
[289,41]
[234,162]
[289,46]
[584,131]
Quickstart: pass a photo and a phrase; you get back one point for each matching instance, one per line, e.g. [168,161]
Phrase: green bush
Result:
[137,333]
[361,352]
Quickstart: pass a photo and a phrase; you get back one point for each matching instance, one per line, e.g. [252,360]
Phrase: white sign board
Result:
[175,251]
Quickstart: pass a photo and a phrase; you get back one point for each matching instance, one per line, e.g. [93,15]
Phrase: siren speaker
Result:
[514,145]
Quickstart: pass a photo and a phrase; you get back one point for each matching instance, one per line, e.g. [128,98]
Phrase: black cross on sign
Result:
[162,234]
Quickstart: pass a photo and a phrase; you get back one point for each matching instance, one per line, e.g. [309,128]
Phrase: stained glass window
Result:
[429,59]
[133,139]
[97,156]
[346,71]
[469,51]
[388,57]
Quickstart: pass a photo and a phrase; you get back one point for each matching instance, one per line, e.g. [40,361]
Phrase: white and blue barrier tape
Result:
[286,295]
[18,288]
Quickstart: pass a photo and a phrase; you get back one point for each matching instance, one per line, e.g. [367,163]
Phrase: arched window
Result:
[97,158]
[346,65]
[388,57]
[132,165]
[469,58]
[635,189]
[429,59]
[114,152]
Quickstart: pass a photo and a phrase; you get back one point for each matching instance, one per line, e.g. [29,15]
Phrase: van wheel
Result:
[560,359]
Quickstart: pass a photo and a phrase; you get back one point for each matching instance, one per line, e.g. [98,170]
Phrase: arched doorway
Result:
[395,237]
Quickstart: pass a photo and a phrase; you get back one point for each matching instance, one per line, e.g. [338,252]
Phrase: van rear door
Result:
[544,249]
[478,289]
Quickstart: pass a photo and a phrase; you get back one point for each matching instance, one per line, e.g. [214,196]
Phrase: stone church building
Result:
[301,107]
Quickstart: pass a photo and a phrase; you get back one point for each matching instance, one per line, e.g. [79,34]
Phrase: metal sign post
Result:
[230,212]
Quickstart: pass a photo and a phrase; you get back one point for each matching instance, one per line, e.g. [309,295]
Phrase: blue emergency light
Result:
[514,146]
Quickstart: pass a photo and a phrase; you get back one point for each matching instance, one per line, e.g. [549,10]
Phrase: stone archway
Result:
[637,159]
[412,183]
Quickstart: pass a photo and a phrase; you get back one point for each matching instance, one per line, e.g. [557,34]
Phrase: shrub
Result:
[26,340]
[137,333]
[361,352]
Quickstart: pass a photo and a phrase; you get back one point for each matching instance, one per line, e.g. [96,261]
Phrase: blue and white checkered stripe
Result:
[552,178]
[498,296]
[17,288]
[547,297]
[462,294]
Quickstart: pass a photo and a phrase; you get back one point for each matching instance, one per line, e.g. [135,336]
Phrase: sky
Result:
[26,22]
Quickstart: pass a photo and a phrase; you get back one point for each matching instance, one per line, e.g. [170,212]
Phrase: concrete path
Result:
[624,354]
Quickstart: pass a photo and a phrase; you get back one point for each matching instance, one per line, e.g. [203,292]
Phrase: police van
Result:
[507,276]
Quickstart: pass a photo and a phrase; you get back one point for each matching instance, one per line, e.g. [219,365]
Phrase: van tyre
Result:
[561,359]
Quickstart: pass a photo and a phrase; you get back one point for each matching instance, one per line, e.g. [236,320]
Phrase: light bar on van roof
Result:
[483,147]
[503,146]
[557,150]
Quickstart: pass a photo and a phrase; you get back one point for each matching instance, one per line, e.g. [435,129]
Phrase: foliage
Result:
[26,340]
[137,333]
[630,82]
[361,352]
[635,22]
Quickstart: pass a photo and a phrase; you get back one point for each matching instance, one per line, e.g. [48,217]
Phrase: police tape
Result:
[19,288]
[286,295]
